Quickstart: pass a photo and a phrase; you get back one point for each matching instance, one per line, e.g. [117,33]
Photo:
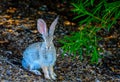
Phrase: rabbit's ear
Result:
[41,26]
[52,26]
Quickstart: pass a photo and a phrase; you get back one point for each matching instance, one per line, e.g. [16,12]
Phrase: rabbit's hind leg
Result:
[34,70]
[46,72]
[52,74]
[30,67]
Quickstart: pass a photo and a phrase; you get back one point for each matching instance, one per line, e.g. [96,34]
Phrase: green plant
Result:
[101,12]
[94,16]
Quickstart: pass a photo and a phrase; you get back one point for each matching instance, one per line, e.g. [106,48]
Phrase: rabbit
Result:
[42,54]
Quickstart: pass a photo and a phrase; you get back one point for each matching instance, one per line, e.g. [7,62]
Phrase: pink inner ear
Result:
[41,25]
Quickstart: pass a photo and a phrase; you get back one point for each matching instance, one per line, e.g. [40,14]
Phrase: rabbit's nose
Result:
[47,47]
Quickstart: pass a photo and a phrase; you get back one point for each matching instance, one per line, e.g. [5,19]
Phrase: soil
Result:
[18,30]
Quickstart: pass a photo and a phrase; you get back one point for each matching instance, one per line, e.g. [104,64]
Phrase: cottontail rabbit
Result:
[42,54]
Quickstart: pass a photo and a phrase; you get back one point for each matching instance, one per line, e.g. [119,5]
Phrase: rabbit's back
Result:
[32,51]
[31,56]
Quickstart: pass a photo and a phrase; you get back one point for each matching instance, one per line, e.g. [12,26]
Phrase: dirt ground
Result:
[18,30]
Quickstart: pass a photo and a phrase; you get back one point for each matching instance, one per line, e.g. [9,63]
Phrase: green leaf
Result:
[92,1]
[95,57]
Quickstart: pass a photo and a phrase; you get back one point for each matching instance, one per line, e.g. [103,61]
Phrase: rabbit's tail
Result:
[24,64]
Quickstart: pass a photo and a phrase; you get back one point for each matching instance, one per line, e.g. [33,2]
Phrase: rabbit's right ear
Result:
[41,26]
[52,26]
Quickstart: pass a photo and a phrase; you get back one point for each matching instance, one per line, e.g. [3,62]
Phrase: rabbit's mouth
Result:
[48,48]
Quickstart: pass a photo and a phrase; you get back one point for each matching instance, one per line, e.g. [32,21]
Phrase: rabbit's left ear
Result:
[42,28]
[52,26]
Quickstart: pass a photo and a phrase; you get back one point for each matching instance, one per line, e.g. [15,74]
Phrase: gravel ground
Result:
[18,30]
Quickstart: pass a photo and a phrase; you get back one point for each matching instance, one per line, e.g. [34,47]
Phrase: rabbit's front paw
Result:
[36,72]
[46,72]
[47,76]
[53,76]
